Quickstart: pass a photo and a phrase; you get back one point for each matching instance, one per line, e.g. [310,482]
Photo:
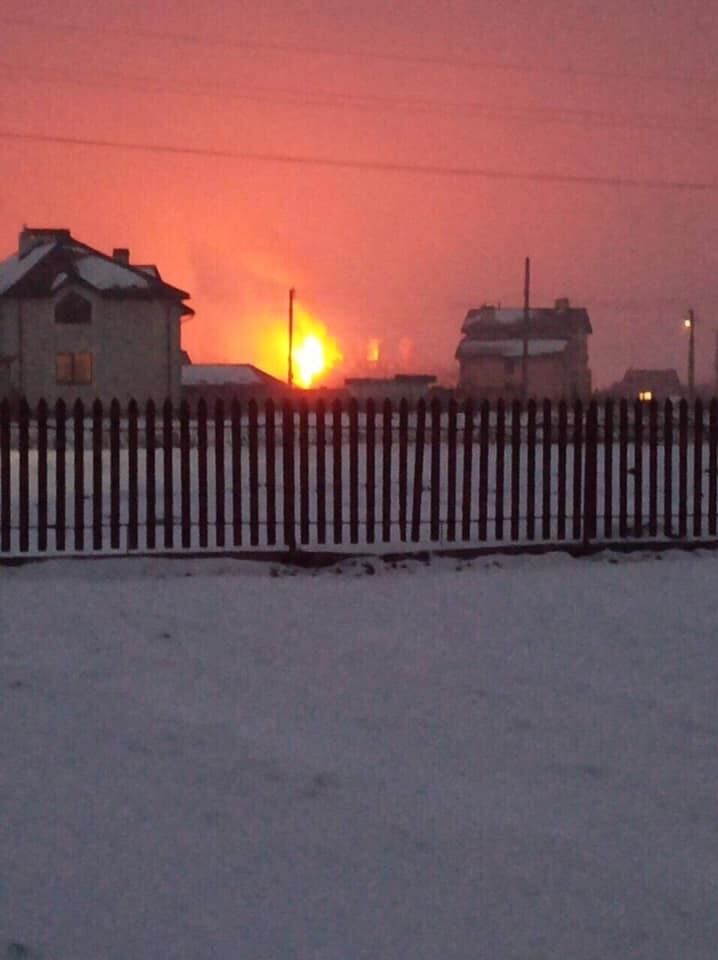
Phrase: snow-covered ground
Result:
[508,758]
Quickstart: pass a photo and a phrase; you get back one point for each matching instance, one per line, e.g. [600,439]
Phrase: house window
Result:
[73,368]
[73,309]
[645,395]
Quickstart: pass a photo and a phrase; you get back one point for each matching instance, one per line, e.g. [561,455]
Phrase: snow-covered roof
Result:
[510,348]
[49,259]
[15,267]
[218,374]
[105,274]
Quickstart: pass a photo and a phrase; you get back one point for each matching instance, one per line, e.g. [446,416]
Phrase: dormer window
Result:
[73,309]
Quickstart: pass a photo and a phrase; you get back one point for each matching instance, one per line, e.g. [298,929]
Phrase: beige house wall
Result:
[135,347]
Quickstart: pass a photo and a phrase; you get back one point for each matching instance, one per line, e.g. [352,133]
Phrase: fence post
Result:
[637,468]
[435,481]
[271,471]
[451,472]
[337,513]
[5,539]
[577,468]
[78,418]
[386,439]
[288,486]
[668,469]
[185,480]
[467,479]
[115,474]
[623,469]
[353,470]
[515,468]
[562,441]
[24,478]
[697,467]
[168,472]
[531,469]
[202,477]
[370,469]
[500,466]
[150,476]
[236,432]
[608,469]
[590,523]
[60,485]
[484,444]
[653,469]
[403,465]
[418,471]
[97,475]
[712,466]
[42,475]
[253,473]
[683,468]
[547,446]
[132,482]
[304,471]
[219,481]
[321,472]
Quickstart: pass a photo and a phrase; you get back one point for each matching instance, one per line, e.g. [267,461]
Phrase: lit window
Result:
[645,395]
[73,309]
[73,368]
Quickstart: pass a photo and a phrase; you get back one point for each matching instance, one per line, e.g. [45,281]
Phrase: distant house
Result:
[555,342]
[229,381]
[409,386]
[648,385]
[75,322]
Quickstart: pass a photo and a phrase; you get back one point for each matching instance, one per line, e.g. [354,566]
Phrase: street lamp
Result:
[690,324]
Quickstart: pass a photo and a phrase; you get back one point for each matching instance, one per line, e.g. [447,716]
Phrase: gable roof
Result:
[227,374]
[661,383]
[490,322]
[50,259]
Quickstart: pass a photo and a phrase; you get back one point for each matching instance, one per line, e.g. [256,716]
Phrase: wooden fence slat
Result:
[304,471]
[637,468]
[185,479]
[168,472]
[713,468]
[500,468]
[219,478]
[418,488]
[590,506]
[321,472]
[467,478]
[202,474]
[653,469]
[24,475]
[403,466]
[353,470]
[697,467]
[5,486]
[577,511]
[682,468]
[370,470]
[484,444]
[42,490]
[271,471]
[515,469]
[386,441]
[623,469]
[78,428]
[608,469]
[561,484]
[435,472]
[132,479]
[337,490]
[253,473]
[150,476]
[235,426]
[97,427]
[115,474]
[547,448]
[668,469]
[531,469]
[60,480]
[451,468]
[288,479]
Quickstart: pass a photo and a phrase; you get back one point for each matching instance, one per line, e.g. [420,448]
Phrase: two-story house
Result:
[75,322]
[498,343]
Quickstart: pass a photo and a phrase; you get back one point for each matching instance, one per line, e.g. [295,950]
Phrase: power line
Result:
[372,102]
[458,62]
[431,170]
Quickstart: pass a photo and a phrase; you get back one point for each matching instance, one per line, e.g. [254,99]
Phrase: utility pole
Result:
[525,353]
[290,371]
[690,322]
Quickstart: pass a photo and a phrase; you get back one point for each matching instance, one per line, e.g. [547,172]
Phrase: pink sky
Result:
[575,89]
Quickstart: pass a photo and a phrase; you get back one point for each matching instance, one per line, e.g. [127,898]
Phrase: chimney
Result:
[562,304]
[31,237]
[121,255]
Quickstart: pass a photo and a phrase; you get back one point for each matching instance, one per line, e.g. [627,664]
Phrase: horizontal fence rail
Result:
[344,476]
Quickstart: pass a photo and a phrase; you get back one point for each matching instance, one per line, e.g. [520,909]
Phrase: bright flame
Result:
[309,360]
